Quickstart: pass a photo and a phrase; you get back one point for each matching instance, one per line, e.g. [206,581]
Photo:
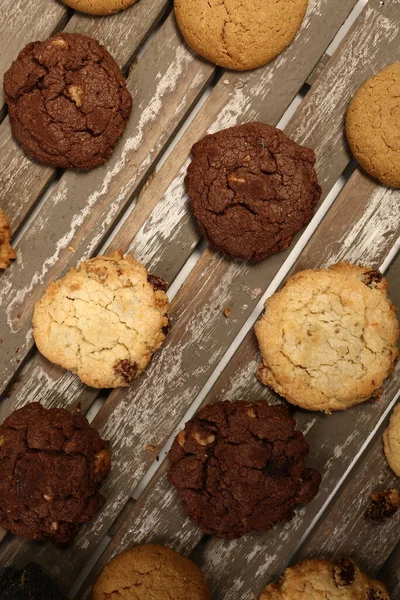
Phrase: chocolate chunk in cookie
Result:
[383,506]
[67,100]
[7,254]
[30,583]
[238,467]
[252,189]
[52,464]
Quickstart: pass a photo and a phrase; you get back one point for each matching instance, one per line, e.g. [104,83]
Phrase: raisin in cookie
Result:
[67,100]
[99,7]
[328,338]
[373,126]
[30,583]
[322,580]
[252,189]
[151,572]
[239,467]
[52,465]
[103,321]
[7,254]
[391,441]
[239,34]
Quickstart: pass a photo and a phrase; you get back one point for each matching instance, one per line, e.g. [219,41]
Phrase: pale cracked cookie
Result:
[325,580]
[103,321]
[328,338]
[373,126]
[7,254]
[391,441]
[99,7]
[151,572]
[239,34]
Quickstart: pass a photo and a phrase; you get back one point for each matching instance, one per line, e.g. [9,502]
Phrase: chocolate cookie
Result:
[67,100]
[321,579]
[52,464]
[238,467]
[252,189]
[151,572]
[30,583]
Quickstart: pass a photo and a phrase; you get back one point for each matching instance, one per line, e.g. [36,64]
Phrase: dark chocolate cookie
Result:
[67,100]
[252,189]
[52,464]
[30,583]
[238,467]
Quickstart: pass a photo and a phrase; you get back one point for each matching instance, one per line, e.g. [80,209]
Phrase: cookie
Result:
[99,7]
[322,580]
[67,100]
[391,441]
[7,254]
[328,338]
[373,126]
[151,572]
[52,464]
[239,34]
[30,583]
[103,321]
[383,506]
[252,189]
[238,467]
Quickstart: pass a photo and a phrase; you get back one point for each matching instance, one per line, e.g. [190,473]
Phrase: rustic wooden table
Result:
[137,202]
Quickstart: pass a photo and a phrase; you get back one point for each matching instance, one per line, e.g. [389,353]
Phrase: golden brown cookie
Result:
[328,338]
[239,34]
[151,572]
[103,321]
[99,7]
[373,126]
[391,441]
[7,254]
[322,580]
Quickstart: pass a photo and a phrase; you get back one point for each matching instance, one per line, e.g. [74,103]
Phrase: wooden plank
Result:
[115,401]
[370,204]
[390,573]
[22,180]
[83,207]
[21,24]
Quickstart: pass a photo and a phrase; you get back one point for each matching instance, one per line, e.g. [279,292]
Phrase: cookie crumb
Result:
[227,311]
[71,249]
[150,448]
[226,81]
[383,506]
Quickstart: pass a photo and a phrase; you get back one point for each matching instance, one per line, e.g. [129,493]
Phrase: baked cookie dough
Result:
[151,572]
[67,100]
[7,254]
[239,467]
[373,126]
[52,465]
[391,441]
[322,580]
[28,583]
[239,34]
[328,338]
[252,189]
[103,321]
[99,7]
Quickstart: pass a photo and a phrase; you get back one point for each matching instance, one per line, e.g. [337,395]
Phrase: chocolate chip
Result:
[374,594]
[157,283]
[372,278]
[343,572]
[126,369]
[383,506]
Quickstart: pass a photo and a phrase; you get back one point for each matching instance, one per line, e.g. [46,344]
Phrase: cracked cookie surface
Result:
[67,100]
[391,441]
[7,254]
[99,7]
[373,126]
[151,572]
[52,465]
[103,321]
[328,338]
[252,189]
[320,579]
[239,467]
[239,34]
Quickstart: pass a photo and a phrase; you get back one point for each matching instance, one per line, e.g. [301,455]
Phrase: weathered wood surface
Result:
[309,67]
[22,180]
[390,573]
